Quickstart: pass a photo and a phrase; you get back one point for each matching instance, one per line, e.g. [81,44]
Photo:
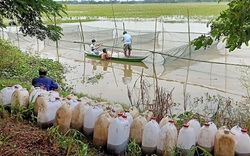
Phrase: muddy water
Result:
[111,80]
[190,78]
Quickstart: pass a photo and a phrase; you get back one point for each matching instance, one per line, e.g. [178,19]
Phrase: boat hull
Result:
[130,59]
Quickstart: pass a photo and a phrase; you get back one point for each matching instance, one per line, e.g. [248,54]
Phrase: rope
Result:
[203,61]
[173,56]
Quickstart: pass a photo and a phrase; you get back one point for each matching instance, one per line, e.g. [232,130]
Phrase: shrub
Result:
[18,66]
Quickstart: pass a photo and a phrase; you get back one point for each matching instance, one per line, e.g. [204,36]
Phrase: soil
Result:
[24,138]
[21,138]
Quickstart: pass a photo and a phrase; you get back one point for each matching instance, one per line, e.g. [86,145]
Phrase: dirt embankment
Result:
[19,138]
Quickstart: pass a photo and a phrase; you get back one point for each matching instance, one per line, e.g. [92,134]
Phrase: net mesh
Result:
[168,45]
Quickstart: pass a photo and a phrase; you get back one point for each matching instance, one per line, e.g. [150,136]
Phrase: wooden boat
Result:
[109,63]
[124,59]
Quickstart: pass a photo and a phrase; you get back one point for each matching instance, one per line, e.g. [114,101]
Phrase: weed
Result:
[4,139]
[245,78]
[16,110]
[140,98]
[133,149]
[163,103]
[183,118]
[21,112]
[94,79]
[3,111]
[71,142]
[28,113]
[194,149]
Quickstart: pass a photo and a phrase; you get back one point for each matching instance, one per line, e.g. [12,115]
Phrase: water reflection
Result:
[126,79]
[103,63]
[187,77]
[110,68]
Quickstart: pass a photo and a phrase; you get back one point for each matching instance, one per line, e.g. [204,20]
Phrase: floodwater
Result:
[214,71]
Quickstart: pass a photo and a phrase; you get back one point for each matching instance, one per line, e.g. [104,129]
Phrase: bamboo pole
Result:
[123,26]
[156,93]
[84,69]
[37,42]
[114,43]
[82,35]
[163,37]
[113,72]
[57,51]
[2,33]
[116,32]
[225,53]
[185,84]
[18,40]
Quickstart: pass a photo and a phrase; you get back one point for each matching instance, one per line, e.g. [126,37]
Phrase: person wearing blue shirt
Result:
[127,40]
[44,81]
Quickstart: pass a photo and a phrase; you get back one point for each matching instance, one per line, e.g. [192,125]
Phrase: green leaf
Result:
[232,23]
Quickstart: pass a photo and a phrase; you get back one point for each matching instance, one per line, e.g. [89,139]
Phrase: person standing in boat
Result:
[104,55]
[127,40]
[94,47]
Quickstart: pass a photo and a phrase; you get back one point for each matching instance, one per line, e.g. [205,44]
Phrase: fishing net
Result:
[186,55]
[78,39]
[25,43]
[166,46]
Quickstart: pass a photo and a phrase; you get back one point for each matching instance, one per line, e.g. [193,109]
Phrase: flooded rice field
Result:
[214,71]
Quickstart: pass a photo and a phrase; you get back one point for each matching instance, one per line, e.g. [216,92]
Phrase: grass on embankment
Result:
[91,12]
[17,67]
[151,10]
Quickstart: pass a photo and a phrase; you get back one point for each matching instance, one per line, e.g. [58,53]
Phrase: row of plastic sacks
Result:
[49,104]
[223,142]
[114,132]
[16,94]
[164,139]
[52,109]
[111,127]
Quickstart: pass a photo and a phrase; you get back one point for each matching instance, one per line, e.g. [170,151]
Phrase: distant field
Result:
[205,10]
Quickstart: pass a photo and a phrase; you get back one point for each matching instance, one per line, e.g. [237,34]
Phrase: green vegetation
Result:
[29,14]
[3,112]
[153,10]
[245,79]
[133,149]
[19,67]
[231,26]
[71,142]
